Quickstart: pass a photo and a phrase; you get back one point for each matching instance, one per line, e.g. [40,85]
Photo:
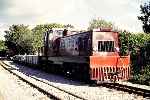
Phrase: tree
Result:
[139,45]
[38,33]
[145,17]
[19,39]
[124,37]
[99,23]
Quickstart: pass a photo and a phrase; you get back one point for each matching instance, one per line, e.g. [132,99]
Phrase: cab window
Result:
[106,46]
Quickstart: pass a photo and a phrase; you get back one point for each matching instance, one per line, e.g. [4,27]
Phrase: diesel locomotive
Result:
[88,55]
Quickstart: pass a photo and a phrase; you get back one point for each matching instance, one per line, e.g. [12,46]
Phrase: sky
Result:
[122,13]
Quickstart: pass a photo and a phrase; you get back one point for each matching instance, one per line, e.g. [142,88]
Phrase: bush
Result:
[143,78]
[139,46]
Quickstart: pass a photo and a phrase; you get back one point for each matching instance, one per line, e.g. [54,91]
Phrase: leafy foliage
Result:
[140,55]
[124,42]
[99,23]
[19,39]
[38,33]
[2,45]
[3,48]
[133,42]
[144,77]
[145,17]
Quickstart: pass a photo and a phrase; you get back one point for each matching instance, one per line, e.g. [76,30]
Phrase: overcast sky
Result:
[123,13]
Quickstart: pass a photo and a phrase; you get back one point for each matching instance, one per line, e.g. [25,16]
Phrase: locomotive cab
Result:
[105,62]
[104,43]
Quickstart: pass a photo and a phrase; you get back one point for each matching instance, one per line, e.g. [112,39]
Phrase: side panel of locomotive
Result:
[76,45]
[69,54]
[73,48]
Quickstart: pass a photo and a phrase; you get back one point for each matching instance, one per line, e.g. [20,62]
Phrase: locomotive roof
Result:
[78,33]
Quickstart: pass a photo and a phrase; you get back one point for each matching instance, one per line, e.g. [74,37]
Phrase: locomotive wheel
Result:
[66,70]
[76,71]
[81,72]
[69,70]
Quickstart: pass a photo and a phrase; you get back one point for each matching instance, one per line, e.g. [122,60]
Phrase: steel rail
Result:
[74,95]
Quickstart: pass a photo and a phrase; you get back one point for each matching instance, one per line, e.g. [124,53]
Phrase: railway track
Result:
[51,96]
[126,88]
[116,86]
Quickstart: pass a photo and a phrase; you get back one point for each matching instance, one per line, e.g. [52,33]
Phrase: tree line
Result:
[21,39]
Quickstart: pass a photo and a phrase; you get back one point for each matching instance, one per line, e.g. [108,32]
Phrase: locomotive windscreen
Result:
[106,46]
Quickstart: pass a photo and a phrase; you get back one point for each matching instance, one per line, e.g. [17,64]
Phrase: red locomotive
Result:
[86,55]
